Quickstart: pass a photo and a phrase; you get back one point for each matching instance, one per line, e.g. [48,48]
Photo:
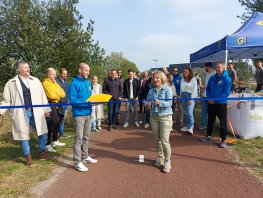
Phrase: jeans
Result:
[203,121]
[25,144]
[113,107]
[188,110]
[128,107]
[82,128]
[61,127]
[147,116]
[161,126]
[219,110]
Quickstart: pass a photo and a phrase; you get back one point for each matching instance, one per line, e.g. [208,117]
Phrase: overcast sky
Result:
[166,30]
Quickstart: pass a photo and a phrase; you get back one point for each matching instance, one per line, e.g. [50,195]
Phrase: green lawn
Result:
[249,152]
[15,178]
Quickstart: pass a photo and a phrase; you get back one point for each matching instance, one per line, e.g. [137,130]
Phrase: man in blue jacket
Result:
[177,83]
[79,91]
[219,86]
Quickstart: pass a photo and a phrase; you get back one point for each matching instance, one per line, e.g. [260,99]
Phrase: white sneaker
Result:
[99,127]
[126,124]
[190,131]
[146,125]
[167,167]
[57,143]
[49,148]
[90,160]
[137,124]
[184,129]
[81,167]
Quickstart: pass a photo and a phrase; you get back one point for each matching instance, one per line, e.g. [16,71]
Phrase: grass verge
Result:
[15,178]
[250,155]
[249,152]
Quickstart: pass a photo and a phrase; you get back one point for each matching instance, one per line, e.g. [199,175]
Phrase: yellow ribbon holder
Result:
[99,98]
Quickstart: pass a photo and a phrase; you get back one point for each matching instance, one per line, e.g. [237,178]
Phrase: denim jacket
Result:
[165,106]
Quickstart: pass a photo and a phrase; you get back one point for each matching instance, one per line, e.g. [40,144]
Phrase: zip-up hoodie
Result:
[177,83]
[80,90]
[219,87]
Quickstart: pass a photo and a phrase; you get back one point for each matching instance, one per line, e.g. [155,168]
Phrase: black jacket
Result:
[126,88]
[113,88]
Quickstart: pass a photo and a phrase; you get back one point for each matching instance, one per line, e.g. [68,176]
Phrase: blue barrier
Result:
[118,101]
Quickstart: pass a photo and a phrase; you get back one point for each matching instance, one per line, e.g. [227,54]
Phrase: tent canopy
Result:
[245,43]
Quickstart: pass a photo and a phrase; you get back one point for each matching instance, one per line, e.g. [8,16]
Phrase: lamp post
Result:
[155,63]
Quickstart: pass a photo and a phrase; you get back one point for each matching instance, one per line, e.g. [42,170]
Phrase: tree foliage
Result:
[244,70]
[45,33]
[117,61]
[251,6]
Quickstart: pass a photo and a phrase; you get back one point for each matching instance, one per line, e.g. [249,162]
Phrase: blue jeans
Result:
[113,107]
[128,107]
[203,121]
[147,116]
[41,139]
[188,110]
[61,127]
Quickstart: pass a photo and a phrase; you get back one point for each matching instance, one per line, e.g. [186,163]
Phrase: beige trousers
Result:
[161,126]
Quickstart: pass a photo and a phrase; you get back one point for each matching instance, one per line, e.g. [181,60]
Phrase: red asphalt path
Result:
[198,170]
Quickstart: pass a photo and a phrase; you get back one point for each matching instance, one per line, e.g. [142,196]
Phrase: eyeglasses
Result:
[175,70]
[119,72]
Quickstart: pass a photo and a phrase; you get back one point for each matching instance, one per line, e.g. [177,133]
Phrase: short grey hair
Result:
[20,62]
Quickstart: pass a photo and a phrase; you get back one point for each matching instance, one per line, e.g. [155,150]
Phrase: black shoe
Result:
[117,123]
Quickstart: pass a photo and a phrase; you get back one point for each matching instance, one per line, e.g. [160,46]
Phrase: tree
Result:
[243,69]
[45,33]
[117,61]
[251,6]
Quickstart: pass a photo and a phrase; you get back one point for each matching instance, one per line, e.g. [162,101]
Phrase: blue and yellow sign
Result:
[260,23]
[242,40]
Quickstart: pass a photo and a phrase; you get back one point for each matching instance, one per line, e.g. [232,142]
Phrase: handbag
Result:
[60,111]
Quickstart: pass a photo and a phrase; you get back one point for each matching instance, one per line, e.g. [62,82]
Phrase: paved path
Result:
[198,170]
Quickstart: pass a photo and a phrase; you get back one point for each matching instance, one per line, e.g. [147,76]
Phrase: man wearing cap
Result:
[177,83]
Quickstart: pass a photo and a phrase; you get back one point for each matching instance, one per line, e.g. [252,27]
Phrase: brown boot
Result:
[29,161]
[43,156]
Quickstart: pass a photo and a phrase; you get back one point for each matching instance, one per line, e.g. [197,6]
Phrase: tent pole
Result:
[226,57]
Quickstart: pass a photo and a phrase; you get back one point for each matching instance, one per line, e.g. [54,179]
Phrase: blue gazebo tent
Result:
[245,43]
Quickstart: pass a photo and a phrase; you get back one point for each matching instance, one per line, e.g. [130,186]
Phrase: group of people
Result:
[158,96]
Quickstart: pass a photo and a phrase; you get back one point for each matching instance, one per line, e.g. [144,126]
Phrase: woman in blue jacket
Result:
[161,118]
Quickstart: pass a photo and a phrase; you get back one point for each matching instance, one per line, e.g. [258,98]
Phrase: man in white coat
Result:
[26,90]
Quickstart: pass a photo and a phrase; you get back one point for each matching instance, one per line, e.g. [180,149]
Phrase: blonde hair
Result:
[161,75]
[51,69]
